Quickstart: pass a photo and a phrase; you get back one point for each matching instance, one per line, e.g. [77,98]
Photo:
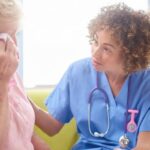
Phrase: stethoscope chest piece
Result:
[124,141]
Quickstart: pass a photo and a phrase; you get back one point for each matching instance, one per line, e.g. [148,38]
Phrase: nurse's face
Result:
[106,54]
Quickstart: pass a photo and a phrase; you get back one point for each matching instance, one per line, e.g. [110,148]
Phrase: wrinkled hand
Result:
[8,59]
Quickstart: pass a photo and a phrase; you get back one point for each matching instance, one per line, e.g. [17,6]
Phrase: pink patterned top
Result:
[22,118]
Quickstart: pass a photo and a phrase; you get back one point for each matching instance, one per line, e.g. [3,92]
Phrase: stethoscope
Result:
[130,126]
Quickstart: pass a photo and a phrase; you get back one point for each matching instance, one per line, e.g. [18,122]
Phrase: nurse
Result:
[109,93]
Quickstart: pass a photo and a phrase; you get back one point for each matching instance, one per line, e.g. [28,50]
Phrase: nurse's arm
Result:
[45,121]
[143,142]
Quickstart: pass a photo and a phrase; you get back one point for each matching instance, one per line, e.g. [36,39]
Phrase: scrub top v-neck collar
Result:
[121,99]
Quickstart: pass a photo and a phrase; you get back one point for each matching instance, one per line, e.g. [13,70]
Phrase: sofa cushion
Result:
[67,136]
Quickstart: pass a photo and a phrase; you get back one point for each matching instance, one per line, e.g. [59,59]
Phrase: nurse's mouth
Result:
[96,63]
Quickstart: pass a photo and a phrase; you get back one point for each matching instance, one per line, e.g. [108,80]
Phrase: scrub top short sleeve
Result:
[145,125]
[58,102]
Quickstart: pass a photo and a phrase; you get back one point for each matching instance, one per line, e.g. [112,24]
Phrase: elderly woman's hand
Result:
[8,58]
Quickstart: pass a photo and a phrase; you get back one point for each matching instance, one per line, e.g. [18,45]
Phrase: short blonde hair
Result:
[10,10]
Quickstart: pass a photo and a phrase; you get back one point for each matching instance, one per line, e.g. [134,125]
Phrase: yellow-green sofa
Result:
[67,136]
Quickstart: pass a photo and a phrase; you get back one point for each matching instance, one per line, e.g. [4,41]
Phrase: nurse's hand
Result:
[143,141]
[8,59]
[38,143]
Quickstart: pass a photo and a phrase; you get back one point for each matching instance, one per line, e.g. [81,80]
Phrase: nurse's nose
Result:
[96,52]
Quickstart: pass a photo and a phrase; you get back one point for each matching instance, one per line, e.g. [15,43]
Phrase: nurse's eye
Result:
[106,50]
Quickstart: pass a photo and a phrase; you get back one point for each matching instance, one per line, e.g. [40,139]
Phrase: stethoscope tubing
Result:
[98,134]
[107,108]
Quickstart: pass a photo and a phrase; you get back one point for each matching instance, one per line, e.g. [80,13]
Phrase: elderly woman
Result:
[17,117]
[109,93]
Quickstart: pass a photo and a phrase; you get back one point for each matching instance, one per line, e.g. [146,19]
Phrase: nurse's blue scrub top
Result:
[70,99]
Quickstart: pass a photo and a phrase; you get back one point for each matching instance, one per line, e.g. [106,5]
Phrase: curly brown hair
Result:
[131,29]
